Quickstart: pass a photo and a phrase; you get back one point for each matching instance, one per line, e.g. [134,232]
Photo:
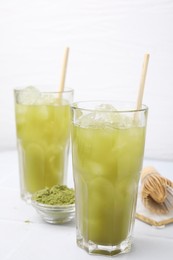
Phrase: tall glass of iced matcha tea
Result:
[43,122]
[107,149]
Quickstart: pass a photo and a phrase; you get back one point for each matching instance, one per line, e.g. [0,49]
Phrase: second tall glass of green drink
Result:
[107,148]
[43,122]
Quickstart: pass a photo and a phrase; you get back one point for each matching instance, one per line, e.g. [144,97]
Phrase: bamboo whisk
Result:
[156,191]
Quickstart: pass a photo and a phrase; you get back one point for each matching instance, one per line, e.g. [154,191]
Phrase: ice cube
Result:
[106,107]
[106,116]
[28,95]
[46,99]
[103,117]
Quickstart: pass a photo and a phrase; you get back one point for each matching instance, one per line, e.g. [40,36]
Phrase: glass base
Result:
[112,250]
[26,197]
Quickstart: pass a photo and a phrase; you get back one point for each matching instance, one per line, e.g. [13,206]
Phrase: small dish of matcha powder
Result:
[57,195]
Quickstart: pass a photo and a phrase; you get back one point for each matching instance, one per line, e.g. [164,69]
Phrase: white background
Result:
[107,40]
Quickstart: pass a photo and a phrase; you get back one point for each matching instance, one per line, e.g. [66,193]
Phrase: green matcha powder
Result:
[57,195]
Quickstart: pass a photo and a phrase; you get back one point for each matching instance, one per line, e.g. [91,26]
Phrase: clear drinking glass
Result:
[43,122]
[108,141]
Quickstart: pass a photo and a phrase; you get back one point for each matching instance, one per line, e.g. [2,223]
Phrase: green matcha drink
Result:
[43,130]
[108,149]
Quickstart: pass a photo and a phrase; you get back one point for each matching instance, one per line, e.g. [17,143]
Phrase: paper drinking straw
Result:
[63,71]
[142,81]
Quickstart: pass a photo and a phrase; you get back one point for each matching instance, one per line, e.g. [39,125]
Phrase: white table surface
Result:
[24,236]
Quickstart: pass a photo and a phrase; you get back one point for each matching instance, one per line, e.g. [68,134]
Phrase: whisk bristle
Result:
[169,197]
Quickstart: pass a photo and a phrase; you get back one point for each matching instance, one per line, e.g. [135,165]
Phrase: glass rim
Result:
[51,207]
[66,90]
[80,105]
